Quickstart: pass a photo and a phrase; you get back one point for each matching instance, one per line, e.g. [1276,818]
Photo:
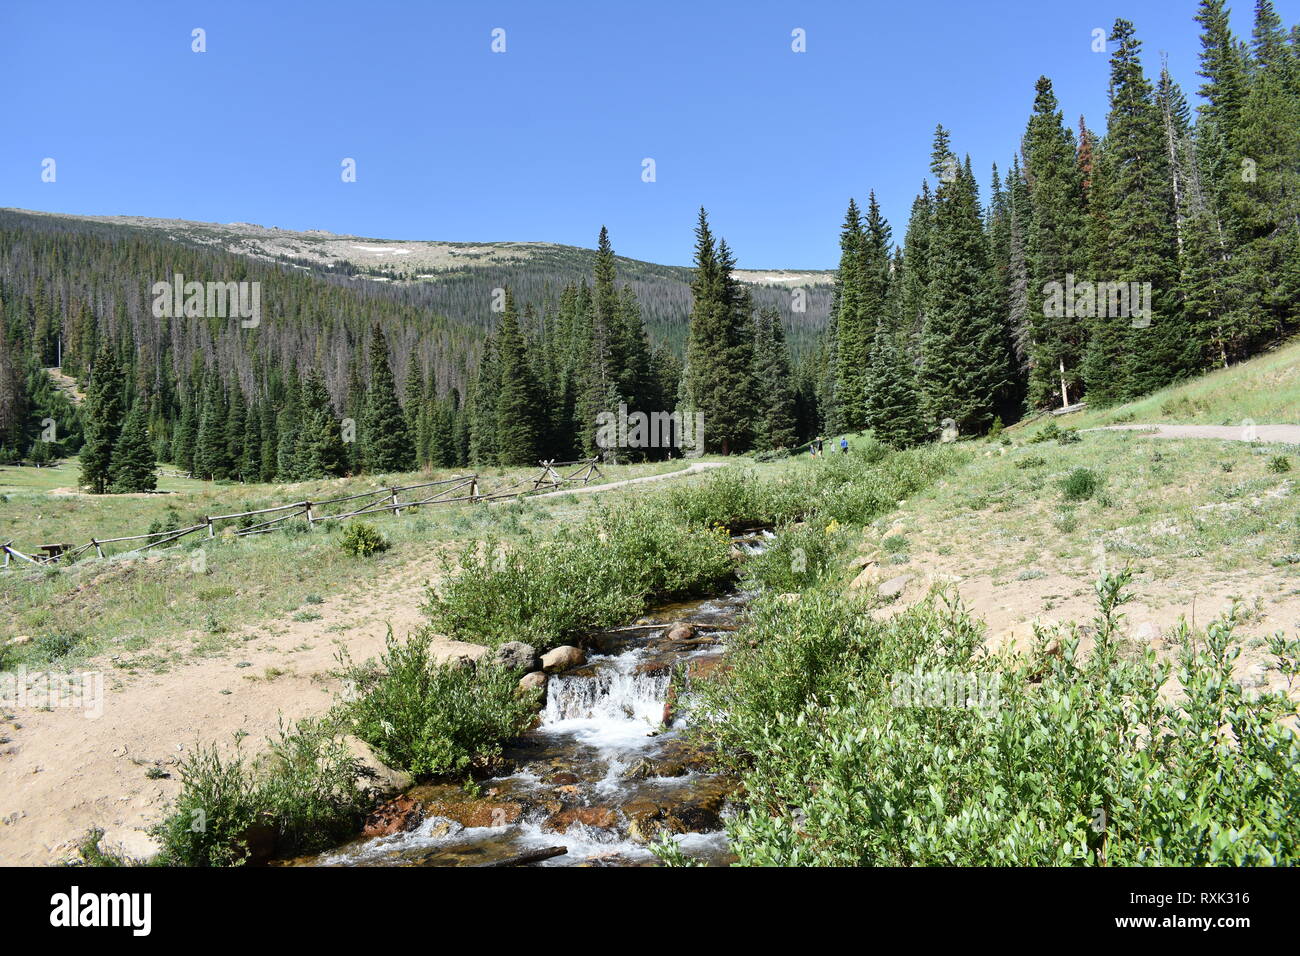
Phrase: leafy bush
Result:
[604,572]
[851,489]
[1075,760]
[1080,484]
[303,791]
[361,540]
[1031,461]
[799,557]
[433,718]
[1279,464]
[1048,432]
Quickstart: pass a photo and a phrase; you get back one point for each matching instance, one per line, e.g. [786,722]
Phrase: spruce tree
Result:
[320,452]
[964,367]
[1055,241]
[102,415]
[516,399]
[387,439]
[719,351]
[134,467]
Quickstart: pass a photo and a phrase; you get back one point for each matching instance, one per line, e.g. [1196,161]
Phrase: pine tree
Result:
[387,439]
[1129,354]
[134,467]
[236,423]
[102,414]
[964,364]
[848,401]
[719,351]
[776,396]
[516,399]
[1054,247]
[211,455]
[320,452]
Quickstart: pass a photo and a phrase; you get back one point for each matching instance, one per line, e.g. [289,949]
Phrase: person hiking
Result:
[844,446]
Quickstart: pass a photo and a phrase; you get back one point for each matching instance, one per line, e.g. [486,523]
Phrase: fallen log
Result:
[533,856]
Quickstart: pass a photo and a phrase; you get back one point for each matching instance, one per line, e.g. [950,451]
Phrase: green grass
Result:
[1265,389]
[151,611]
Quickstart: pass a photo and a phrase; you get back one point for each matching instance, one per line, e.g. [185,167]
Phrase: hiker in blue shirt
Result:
[844,446]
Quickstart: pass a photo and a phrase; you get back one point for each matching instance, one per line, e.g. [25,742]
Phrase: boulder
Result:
[894,586]
[600,817]
[869,576]
[20,639]
[516,656]
[395,816]
[864,560]
[534,681]
[563,659]
[129,843]
[681,631]
[374,776]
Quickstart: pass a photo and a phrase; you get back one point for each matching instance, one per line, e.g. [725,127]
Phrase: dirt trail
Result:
[62,774]
[1287,434]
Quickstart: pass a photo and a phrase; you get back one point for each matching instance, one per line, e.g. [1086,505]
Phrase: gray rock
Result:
[376,777]
[894,586]
[563,659]
[517,656]
[681,631]
[129,843]
[534,681]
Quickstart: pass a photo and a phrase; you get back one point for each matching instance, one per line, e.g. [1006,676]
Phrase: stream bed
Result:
[607,769]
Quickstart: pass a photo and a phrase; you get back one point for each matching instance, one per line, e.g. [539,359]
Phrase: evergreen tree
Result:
[776,394]
[719,352]
[387,439]
[516,398]
[1055,242]
[102,414]
[964,364]
[134,467]
[320,452]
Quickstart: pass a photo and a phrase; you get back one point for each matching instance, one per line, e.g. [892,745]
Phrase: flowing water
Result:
[606,770]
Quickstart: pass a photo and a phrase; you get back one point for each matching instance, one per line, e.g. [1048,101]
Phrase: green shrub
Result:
[1048,432]
[1072,760]
[209,823]
[1080,484]
[303,791]
[799,557]
[361,540]
[609,569]
[432,718]
[1279,464]
[1031,461]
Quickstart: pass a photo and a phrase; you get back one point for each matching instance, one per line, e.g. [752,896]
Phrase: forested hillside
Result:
[1104,264]
[1107,261]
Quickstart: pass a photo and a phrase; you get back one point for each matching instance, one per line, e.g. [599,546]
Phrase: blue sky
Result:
[544,141]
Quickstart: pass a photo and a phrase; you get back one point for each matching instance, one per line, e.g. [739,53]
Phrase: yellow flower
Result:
[832,527]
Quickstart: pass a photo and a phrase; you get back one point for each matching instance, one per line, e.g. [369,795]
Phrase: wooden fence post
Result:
[211,533]
[98,549]
[397,512]
[306,508]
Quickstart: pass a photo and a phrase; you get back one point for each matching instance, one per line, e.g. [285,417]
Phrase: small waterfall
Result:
[613,698]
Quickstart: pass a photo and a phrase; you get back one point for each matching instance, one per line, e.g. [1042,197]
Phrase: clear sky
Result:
[545,141]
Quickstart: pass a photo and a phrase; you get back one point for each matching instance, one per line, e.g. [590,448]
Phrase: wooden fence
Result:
[379,501]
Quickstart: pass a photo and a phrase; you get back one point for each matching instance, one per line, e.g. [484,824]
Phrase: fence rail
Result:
[384,500]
